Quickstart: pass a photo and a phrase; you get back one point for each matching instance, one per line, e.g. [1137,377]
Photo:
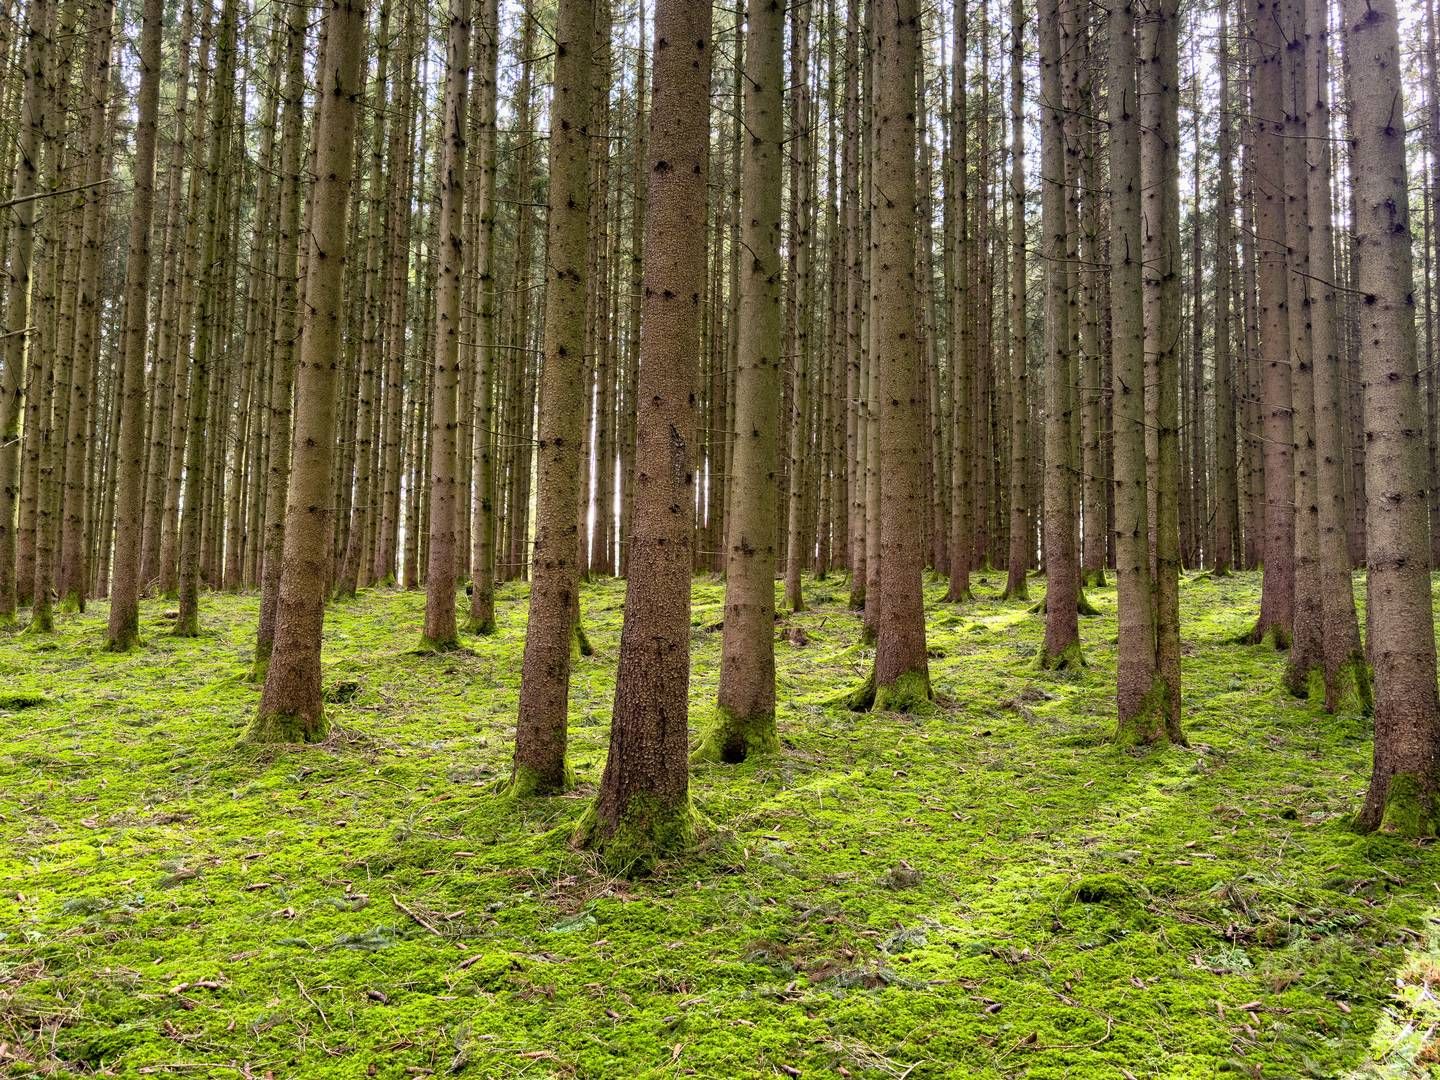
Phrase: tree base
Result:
[480,627]
[1221,572]
[1069,658]
[1092,579]
[526,783]
[128,640]
[908,693]
[960,596]
[1083,605]
[1409,810]
[271,728]
[437,645]
[647,832]
[1260,635]
[1305,681]
[1349,690]
[1148,725]
[72,603]
[581,641]
[731,739]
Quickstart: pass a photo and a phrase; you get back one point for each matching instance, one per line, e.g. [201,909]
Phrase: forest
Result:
[775,538]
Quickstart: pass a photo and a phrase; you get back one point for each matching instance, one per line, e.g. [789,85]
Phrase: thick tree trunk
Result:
[901,679]
[642,811]
[1406,776]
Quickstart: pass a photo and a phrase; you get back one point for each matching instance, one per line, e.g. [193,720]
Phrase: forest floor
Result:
[989,889]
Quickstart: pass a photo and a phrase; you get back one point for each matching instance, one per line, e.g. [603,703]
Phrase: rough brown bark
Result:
[642,811]
[745,710]
[291,708]
[124,625]
[540,737]
[1406,777]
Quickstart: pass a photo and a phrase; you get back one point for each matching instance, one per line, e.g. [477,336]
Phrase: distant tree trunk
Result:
[440,631]
[482,560]
[1307,645]
[17,304]
[901,679]
[1227,502]
[1347,683]
[1018,561]
[745,711]
[797,544]
[642,812]
[1061,649]
[540,737]
[210,325]
[1406,776]
[1277,599]
[855,430]
[124,626]
[286,333]
[962,360]
[291,708]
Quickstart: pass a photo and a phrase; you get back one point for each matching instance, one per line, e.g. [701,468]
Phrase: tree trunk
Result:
[744,721]
[540,737]
[642,812]
[291,708]
[1406,776]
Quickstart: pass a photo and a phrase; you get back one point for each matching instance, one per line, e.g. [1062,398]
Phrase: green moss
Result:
[479,627]
[1147,727]
[647,833]
[1069,658]
[1351,688]
[1409,807]
[1083,606]
[862,903]
[732,739]
[437,645]
[527,783]
[285,728]
[581,642]
[1093,579]
[906,694]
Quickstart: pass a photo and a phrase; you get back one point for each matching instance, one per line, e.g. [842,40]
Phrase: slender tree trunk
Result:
[1018,561]
[1227,503]
[440,631]
[291,709]
[124,626]
[21,249]
[744,721]
[1061,649]
[540,737]
[482,560]
[1277,599]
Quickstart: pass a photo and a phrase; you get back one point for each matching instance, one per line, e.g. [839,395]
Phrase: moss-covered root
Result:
[1147,726]
[1276,636]
[1305,681]
[647,832]
[437,645]
[270,728]
[1069,658]
[731,739]
[960,596]
[480,627]
[1083,605]
[1408,810]
[1349,690]
[525,782]
[581,642]
[1092,579]
[907,693]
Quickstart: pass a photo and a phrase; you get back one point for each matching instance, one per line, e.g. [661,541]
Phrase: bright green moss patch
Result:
[732,739]
[986,887]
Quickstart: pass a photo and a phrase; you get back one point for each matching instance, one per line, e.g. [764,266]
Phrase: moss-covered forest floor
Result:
[985,890]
